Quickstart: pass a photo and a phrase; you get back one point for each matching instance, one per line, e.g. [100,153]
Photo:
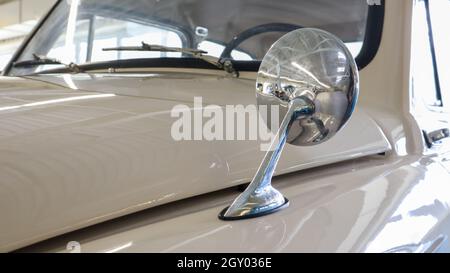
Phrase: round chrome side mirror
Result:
[311,78]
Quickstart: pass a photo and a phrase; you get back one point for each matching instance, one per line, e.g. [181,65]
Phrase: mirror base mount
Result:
[254,215]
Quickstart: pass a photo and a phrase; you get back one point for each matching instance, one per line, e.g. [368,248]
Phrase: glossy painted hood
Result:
[76,150]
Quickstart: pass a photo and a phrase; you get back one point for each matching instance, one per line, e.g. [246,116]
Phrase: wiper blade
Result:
[43,60]
[149,47]
[224,64]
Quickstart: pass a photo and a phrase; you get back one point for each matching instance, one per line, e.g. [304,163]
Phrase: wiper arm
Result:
[224,64]
[43,60]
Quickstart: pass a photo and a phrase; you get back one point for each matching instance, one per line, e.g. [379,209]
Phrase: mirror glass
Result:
[312,64]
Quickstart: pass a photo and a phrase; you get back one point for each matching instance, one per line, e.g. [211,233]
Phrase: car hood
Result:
[76,150]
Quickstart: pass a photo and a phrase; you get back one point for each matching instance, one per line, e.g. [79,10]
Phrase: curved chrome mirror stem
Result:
[260,197]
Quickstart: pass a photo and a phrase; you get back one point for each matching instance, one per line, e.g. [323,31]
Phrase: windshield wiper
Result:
[43,60]
[224,64]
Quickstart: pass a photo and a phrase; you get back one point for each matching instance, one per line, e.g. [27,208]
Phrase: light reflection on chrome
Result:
[311,75]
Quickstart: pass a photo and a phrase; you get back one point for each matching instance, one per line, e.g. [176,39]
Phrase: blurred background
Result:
[17,19]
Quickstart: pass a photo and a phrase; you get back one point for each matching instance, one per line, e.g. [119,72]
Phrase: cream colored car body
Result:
[78,150]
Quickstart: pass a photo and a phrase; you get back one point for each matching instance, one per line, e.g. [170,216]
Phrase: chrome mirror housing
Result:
[311,77]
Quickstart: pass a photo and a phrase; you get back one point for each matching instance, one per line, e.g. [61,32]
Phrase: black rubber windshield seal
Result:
[373,35]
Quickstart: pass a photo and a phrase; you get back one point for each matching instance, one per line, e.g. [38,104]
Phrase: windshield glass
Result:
[78,30]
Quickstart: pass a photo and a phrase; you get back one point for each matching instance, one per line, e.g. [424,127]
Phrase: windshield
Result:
[77,31]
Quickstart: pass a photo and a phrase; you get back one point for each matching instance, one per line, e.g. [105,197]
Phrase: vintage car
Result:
[92,101]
